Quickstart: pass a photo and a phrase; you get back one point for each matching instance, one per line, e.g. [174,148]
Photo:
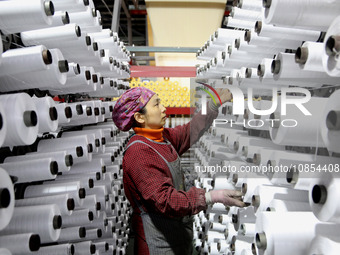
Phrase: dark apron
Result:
[167,236]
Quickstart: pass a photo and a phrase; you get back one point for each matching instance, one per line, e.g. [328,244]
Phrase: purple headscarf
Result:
[132,101]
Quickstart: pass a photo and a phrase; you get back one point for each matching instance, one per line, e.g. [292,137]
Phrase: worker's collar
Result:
[153,134]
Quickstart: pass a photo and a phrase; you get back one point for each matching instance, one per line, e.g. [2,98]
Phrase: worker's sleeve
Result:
[149,181]
[182,137]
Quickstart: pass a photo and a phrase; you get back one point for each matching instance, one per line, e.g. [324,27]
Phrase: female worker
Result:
[153,181]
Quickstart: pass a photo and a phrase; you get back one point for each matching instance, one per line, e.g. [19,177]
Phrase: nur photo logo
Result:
[204,96]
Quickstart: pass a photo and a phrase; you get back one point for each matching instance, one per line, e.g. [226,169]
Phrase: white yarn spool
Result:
[232,210]
[93,141]
[26,59]
[244,14]
[83,18]
[290,33]
[72,234]
[47,114]
[84,248]
[102,247]
[95,165]
[93,234]
[32,14]
[230,64]
[233,137]
[275,230]
[71,5]
[77,110]
[330,58]
[52,36]
[84,82]
[254,39]
[299,16]
[264,71]
[238,23]
[105,91]
[302,169]
[240,177]
[244,215]
[73,189]
[105,66]
[305,129]
[60,18]
[6,199]
[114,170]
[322,197]
[213,250]
[63,158]
[240,243]
[101,192]
[230,232]
[263,156]
[89,116]
[105,33]
[260,122]
[45,220]
[32,170]
[220,151]
[329,123]
[21,118]
[51,77]
[244,143]
[247,229]
[246,251]
[107,181]
[291,158]
[235,54]
[78,218]
[264,194]
[63,201]
[108,157]
[77,47]
[24,243]
[219,131]
[83,78]
[68,143]
[221,182]
[64,113]
[74,70]
[309,56]
[100,113]
[85,181]
[323,245]
[248,152]
[277,205]
[91,203]
[284,68]
[218,227]
[213,237]
[250,4]
[243,45]
[58,249]
[109,44]
[56,76]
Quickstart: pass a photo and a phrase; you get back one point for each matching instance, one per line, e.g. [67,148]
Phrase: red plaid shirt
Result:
[148,180]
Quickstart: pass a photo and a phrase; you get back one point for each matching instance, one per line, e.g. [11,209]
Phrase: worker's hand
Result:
[224,94]
[226,197]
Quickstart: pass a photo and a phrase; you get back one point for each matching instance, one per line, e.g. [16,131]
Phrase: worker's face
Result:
[155,114]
